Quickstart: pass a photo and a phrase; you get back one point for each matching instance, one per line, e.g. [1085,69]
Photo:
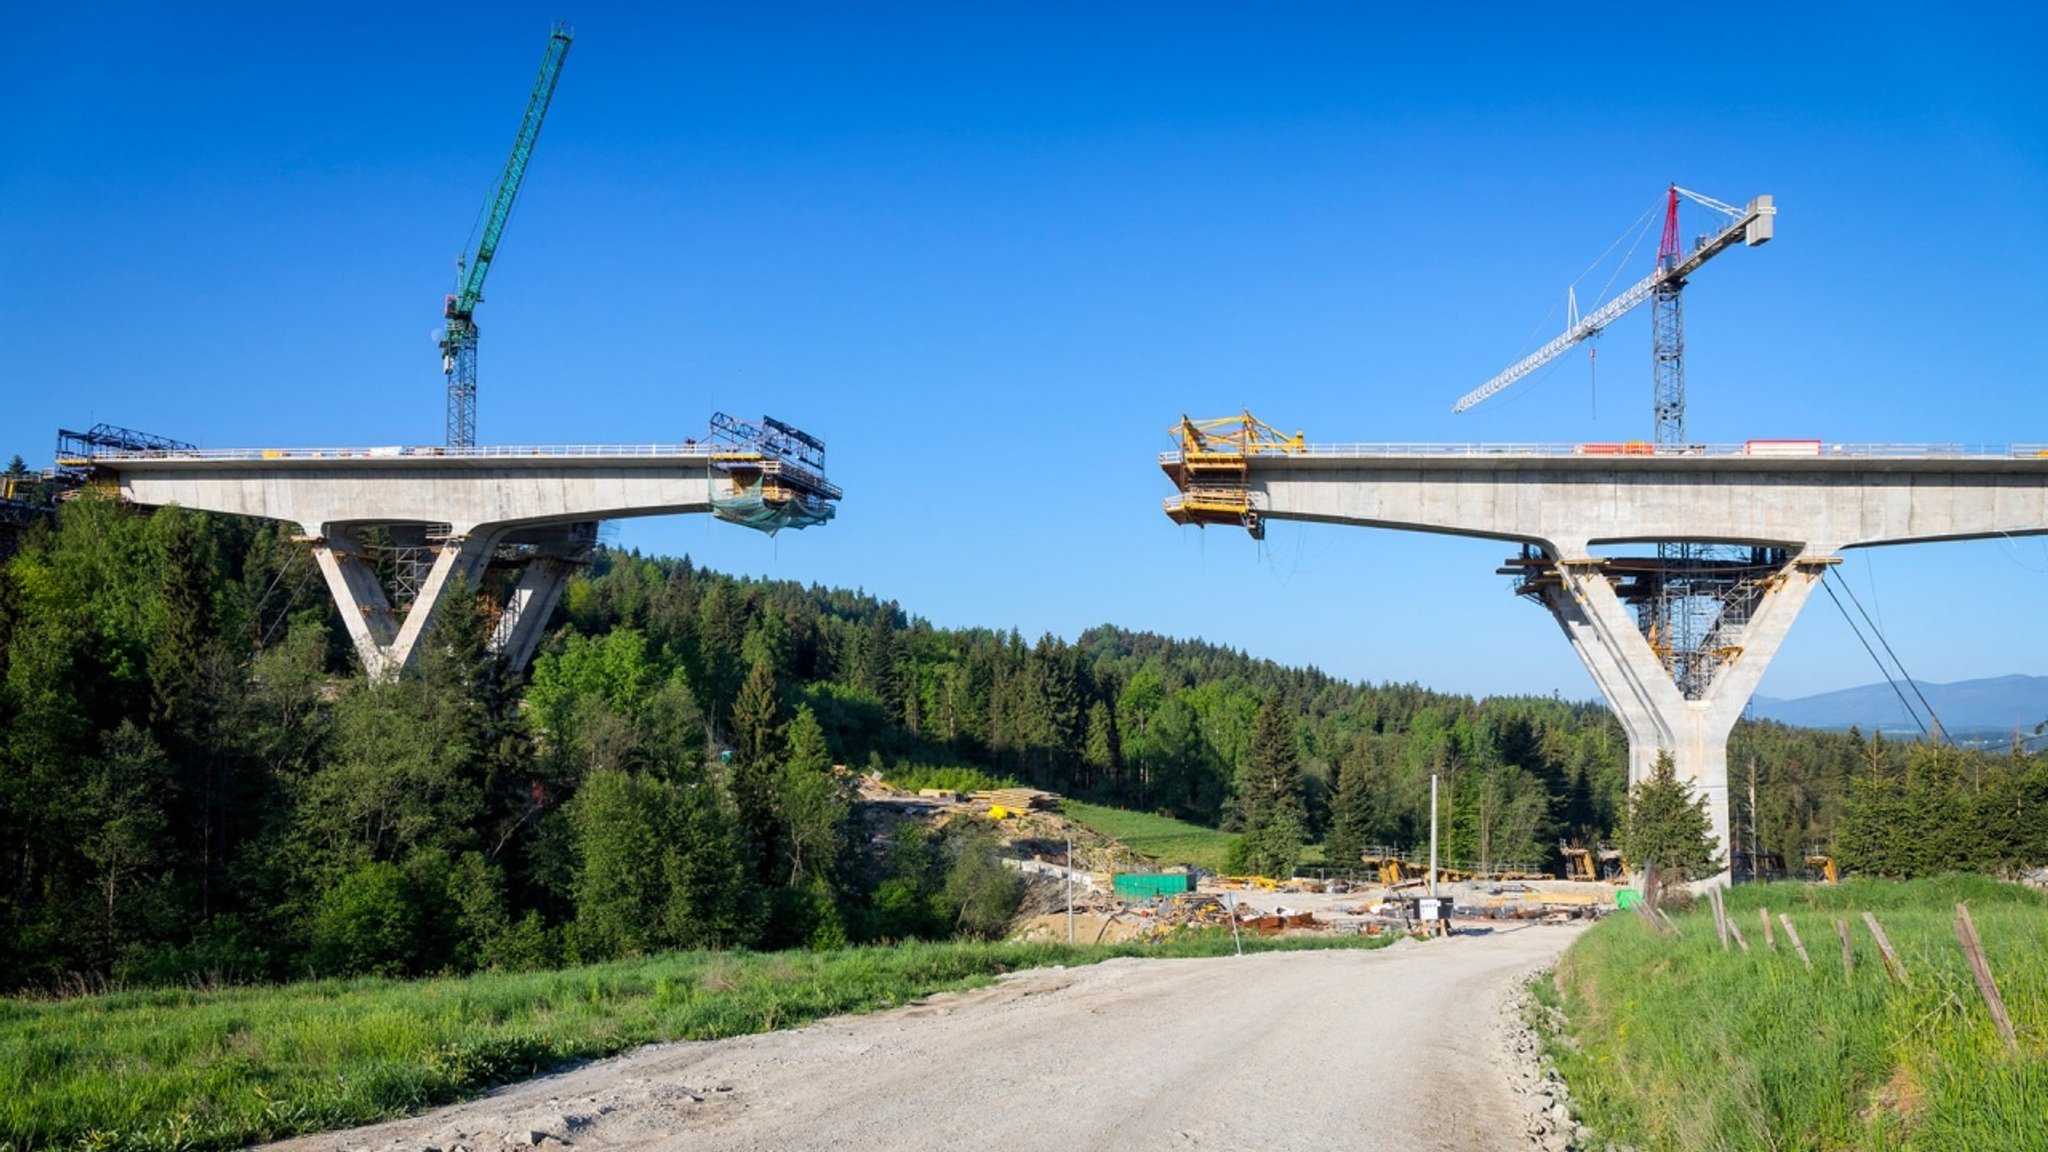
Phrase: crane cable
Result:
[1641,229]
[1829,584]
[1907,676]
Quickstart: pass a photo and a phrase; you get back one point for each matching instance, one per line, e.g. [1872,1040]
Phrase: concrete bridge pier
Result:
[533,600]
[384,642]
[1656,716]
[388,644]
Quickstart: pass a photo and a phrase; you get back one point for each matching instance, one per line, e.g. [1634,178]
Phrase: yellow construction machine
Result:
[1213,466]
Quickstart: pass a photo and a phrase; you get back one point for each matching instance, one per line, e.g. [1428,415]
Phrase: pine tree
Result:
[1353,816]
[758,732]
[1270,796]
[1104,754]
[757,714]
[1667,827]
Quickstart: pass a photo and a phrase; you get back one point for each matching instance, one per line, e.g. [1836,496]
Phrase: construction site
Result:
[1675,568]
[1086,887]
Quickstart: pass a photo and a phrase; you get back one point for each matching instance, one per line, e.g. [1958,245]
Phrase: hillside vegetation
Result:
[1674,1043]
[200,786]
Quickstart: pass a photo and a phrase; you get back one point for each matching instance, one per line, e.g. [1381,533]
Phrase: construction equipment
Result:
[458,339]
[775,472]
[76,450]
[1690,598]
[1752,224]
[1823,867]
[1213,467]
[1593,865]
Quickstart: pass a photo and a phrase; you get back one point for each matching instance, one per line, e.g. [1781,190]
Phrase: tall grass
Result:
[1676,1044]
[191,1070]
[1159,839]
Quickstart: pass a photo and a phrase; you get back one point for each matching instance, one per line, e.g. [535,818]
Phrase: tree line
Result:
[198,783]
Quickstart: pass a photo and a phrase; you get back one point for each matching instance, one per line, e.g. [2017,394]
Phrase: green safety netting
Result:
[749,509]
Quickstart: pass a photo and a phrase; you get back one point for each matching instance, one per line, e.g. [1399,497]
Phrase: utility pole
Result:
[1752,818]
[1432,835]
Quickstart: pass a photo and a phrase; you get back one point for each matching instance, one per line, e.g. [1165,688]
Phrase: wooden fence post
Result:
[1720,916]
[1770,940]
[1848,957]
[1893,966]
[1973,949]
[1798,946]
[1735,930]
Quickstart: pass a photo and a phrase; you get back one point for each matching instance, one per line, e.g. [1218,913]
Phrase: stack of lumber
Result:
[1017,799]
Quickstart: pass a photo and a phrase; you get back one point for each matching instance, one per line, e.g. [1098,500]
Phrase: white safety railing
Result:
[495,452]
[1762,450]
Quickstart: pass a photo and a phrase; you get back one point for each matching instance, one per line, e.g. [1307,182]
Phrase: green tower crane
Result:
[458,339]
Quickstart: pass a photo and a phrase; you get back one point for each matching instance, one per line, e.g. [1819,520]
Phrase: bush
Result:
[980,894]
[367,924]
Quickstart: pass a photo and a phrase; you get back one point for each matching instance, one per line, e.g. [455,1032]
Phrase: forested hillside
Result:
[197,782]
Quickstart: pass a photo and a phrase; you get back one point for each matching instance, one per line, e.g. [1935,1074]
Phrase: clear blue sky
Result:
[990,252]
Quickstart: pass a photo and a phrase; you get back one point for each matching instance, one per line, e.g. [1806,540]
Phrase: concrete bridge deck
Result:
[1795,503]
[1569,498]
[462,487]
[477,500]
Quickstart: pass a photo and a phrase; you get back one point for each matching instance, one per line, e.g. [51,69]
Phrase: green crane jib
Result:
[458,340]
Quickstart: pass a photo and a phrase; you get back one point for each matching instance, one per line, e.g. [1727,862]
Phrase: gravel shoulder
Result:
[1399,1048]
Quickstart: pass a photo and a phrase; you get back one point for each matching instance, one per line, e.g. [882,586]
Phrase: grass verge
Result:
[183,1071]
[1160,839]
[1677,1044]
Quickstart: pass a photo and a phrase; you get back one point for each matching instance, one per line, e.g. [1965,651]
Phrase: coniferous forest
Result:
[198,784]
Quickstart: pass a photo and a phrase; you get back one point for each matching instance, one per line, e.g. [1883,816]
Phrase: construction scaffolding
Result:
[1213,466]
[775,475]
[1691,601]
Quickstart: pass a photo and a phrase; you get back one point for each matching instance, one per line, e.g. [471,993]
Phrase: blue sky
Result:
[990,252]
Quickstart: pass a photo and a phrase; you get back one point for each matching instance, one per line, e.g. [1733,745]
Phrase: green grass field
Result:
[183,1071]
[1676,1044]
[1160,839]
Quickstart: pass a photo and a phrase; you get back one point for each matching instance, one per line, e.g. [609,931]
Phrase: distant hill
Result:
[1992,706]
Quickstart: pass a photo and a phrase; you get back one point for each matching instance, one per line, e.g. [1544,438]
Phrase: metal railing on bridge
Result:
[1755,449]
[688,448]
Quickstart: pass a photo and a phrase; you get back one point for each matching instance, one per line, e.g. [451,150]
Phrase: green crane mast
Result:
[458,339]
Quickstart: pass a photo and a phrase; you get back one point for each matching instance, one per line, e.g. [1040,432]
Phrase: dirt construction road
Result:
[1393,1049]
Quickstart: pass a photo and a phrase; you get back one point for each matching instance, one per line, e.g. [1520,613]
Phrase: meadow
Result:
[1160,839]
[1672,1042]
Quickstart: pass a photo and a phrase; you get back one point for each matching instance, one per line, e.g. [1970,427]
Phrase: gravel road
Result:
[1395,1049]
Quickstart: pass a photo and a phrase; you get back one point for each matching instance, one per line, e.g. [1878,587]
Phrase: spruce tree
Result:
[1352,811]
[1270,796]
[1668,827]
[758,732]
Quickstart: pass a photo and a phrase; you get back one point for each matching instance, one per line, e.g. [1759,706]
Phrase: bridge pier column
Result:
[1656,716]
[365,609]
[527,610]
[385,644]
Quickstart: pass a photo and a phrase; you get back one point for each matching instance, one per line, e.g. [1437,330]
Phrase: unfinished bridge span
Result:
[528,516]
[1783,511]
